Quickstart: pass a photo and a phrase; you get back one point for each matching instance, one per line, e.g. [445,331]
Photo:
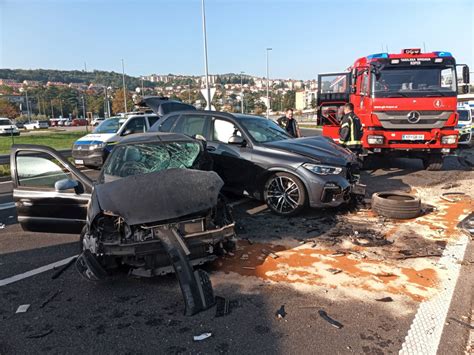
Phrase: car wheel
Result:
[285,194]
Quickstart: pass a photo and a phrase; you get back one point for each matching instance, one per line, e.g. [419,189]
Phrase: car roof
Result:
[153,137]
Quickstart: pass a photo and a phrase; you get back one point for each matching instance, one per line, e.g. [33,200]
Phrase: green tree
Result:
[7,109]
[118,102]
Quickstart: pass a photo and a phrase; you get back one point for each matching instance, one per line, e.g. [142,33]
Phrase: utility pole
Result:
[268,86]
[124,92]
[208,89]
[61,105]
[143,90]
[241,92]
[52,111]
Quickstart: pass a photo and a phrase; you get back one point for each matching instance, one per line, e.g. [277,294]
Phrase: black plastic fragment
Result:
[222,306]
[281,313]
[196,286]
[385,299]
[328,319]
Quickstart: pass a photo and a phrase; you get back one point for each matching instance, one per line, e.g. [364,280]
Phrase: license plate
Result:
[78,161]
[413,137]
[358,189]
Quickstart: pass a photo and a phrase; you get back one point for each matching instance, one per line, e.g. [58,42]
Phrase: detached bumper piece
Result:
[196,286]
[89,267]
[334,192]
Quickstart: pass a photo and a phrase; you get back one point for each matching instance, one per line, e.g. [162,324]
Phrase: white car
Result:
[7,128]
[36,125]
[96,121]
[464,126]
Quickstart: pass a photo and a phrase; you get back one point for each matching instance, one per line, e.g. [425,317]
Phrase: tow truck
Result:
[406,103]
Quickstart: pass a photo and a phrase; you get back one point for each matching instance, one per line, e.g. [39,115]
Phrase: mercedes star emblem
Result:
[413,116]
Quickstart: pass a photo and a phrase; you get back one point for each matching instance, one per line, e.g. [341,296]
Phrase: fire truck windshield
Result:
[414,82]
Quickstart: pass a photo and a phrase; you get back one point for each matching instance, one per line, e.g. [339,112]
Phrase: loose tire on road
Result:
[433,162]
[395,204]
[285,194]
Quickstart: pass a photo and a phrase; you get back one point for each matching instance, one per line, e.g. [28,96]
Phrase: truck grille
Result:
[399,119]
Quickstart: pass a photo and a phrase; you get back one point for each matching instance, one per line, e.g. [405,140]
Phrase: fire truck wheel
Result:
[433,162]
[395,204]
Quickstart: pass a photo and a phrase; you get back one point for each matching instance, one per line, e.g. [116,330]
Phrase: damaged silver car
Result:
[156,208]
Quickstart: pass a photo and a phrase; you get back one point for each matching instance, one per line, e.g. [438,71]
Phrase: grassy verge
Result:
[4,170]
[57,140]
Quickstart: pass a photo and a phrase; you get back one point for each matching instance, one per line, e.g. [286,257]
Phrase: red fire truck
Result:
[406,103]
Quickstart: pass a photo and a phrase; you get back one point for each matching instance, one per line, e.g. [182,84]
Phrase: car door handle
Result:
[26,203]
[211,149]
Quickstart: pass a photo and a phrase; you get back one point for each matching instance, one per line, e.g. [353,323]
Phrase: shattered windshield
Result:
[110,125]
[146,158]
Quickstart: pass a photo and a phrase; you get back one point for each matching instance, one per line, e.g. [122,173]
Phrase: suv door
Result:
[192,125]
[50,194]
[134,125]
[233,162]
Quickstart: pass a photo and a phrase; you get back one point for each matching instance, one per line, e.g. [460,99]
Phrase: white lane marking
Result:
[7,206]
[425,331]
[34,272]
[239,202]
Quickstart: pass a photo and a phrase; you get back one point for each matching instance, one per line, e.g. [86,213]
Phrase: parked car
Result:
[79,122]
[156,206]
[96,121]
[92,149]
[257,158]
[7,128]
[36,125]
[464,126]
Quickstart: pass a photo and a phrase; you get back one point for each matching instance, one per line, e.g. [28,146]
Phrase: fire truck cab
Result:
[406,103]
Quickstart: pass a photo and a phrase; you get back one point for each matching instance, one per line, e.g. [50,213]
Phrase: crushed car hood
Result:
[159,196]
[321,149]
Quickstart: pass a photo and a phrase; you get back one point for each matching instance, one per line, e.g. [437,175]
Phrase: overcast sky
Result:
[307,36]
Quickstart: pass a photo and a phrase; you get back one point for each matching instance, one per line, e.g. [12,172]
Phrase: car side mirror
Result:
[237,140]
[66,184]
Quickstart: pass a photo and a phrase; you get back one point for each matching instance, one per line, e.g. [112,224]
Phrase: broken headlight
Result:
[322,169]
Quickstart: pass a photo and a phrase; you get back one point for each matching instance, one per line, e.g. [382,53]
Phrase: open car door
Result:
[50,194]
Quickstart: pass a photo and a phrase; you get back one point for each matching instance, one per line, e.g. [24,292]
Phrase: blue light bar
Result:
[378,55]
[443,54]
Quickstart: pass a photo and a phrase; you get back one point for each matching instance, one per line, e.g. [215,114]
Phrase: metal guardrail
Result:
[5,159]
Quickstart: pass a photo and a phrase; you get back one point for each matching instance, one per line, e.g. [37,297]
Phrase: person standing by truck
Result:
[350,132]
[289,124]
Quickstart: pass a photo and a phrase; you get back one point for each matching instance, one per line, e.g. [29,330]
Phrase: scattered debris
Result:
[244,257]
[384,299]
[230,253]
[202,336]
[467,225]
[64,268]
[271,253]
[222,306]
[22,308]
[50,298]
[369,240]
[2,225]
[450,186]
[444,196]
[248,267]
[248,241]
[334,271]
[338,254]
[40,335]
[281,313]
[328,319]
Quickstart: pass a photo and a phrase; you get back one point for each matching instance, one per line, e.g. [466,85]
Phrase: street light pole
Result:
[52,111]
[108,101]
[208,89]
[268,86]
[241,92]
[124,92]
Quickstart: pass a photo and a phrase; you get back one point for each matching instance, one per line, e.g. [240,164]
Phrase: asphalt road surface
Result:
[127,315]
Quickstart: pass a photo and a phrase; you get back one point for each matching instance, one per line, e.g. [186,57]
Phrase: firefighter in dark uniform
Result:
[350,133]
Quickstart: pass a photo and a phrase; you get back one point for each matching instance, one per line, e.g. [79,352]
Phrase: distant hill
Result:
[73,76]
